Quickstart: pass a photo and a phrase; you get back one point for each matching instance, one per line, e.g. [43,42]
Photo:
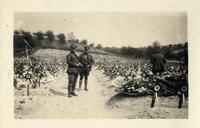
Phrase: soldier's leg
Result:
[70,84]
[80,80]
[74,84]
[86,81]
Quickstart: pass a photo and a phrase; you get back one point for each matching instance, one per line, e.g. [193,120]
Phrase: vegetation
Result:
[50,40]
[173,52]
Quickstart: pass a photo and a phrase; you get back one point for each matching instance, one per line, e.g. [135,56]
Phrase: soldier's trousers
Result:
[72,79]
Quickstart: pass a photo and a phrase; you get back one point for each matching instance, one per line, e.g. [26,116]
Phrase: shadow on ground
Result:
[57,92]
[121,97]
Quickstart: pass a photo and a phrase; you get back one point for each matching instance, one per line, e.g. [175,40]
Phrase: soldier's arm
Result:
[80,58]
[164,59]
[92,60]
[70,61]
[152,60]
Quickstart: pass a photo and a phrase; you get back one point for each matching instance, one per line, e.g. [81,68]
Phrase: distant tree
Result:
[71,37]
[61,37]
[156,44]
[76,40]
[23,38]
[99,46]
[179,46]
[186,45]
[39,35]
[156,47]
[84,42]
[18,40]
[29,38]
[16,32]
[92,45]
[50,36]
[112,50]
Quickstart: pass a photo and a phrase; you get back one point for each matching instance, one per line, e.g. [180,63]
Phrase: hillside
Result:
[20,43]
[60,53]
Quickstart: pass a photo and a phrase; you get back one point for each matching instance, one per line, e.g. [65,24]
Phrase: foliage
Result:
[91,45]
[84,42]
[61,37]
[99,46]
[174,52]
[50,36]
[49,40]
[39,35]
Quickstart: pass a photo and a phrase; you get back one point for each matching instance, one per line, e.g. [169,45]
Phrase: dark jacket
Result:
[158,60]
[72,61]
[86,61]
[186,56]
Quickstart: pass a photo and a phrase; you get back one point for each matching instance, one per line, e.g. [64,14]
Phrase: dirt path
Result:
[56,104]
[51,101]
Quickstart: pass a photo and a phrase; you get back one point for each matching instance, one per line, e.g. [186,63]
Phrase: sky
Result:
[136,29]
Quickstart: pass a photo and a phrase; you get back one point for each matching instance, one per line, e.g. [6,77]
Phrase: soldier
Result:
[86,61]
[186,53]
[158,61]
[73,70]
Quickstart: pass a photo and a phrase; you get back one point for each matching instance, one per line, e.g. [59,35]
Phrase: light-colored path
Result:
[51,101]
[56,104]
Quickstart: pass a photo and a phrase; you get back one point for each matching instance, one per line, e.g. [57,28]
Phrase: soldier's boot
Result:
[74,94]
[80,84]
[73,90]
[86,81]
[70,91]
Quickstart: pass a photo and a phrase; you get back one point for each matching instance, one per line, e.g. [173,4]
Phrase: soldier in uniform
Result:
[158,61]
[186,53]
[86,61]
[73,70]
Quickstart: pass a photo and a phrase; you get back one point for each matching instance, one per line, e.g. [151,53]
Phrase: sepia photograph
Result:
[101,65]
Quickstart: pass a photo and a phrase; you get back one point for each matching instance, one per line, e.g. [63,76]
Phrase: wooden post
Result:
[28,93]
[182,96]
[39,82]
[155,96]
[180,101]
[153,100]
[28,88]
[26,50]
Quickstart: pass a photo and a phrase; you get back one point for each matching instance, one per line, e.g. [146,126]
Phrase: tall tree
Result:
[71,37]
[76,41]
[50,36]
[92,45]
[61,37]
[29,38]
[39,35]
[156,44]
[99,46]
[16,32]
[84,42]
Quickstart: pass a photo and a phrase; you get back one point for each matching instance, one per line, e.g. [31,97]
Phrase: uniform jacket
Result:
[72,61]
[86,60]
[158,60]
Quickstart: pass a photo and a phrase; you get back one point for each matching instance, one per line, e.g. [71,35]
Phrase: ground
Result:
[101,101]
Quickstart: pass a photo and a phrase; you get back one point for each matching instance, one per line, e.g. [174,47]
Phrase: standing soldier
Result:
[158,61]
[73,70]
[86,61]
[186,53]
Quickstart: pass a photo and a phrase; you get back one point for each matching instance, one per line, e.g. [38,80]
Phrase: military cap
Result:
[86,47]
[73,46]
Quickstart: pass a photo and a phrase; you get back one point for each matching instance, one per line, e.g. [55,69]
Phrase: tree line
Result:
[48,40]
[61,41]
[171,51]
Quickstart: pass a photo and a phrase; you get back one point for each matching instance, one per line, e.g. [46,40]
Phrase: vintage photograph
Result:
[100,65]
